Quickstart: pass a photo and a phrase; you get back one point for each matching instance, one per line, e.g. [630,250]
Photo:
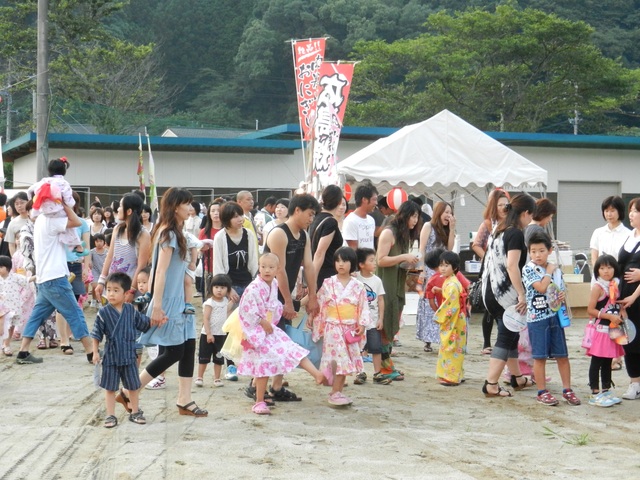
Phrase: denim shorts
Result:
[547,339]
[374,341]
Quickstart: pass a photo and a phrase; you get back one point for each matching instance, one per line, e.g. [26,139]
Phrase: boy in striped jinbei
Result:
[119,322]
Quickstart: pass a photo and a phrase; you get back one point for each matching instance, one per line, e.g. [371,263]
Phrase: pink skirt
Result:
[602,346]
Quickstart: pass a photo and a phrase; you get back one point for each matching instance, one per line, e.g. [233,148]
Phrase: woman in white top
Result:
[610,238]
[145,217]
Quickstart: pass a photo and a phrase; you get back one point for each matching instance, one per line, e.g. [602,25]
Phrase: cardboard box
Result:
[578,294]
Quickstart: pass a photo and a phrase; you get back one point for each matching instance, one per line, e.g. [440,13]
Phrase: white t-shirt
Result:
[218,315]
[359,229]
[374,288]
[49,254]
[608,241]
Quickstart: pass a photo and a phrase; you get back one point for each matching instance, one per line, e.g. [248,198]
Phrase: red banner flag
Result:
[307,57]
[334,86]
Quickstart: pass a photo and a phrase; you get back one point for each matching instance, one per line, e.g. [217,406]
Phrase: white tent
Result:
[441,155]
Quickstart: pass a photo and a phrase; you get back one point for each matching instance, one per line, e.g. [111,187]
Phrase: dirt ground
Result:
[52,419]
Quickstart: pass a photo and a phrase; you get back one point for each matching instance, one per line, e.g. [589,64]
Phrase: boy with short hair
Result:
[97,257]
[119,322]
[545,334]
[375,298]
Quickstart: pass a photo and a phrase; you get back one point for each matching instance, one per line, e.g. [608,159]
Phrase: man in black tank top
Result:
[290,242]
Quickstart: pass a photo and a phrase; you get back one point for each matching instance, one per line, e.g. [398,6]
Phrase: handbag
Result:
[300,335]
[589,330]
[351,337]
[475,295]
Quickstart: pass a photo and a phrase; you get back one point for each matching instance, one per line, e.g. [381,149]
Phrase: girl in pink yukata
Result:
[267,350]
[344,314]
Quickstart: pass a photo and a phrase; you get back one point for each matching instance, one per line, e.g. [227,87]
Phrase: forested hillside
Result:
[527,66]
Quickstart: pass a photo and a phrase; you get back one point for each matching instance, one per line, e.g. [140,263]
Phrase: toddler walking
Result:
[48,196]
[343,317]
[605,313]
[216,309]
[546,336]
[16,301]
[267,351]
[119,322]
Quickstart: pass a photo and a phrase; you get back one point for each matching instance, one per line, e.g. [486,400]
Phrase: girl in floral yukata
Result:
[344,313]
[267,350]
[452,317]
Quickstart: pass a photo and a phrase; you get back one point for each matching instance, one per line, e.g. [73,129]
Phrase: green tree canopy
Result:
[511,69]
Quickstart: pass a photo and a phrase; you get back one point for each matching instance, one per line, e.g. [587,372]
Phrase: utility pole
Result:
[42,87]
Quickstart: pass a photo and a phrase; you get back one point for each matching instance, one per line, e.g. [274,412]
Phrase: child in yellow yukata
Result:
[452,318]
[344,315]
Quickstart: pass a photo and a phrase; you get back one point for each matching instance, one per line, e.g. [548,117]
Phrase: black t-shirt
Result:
[238,260]
[325,224]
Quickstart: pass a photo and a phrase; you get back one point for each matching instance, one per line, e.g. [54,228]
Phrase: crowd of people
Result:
[300,259]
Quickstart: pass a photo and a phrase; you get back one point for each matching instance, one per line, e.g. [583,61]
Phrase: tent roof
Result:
[441,154]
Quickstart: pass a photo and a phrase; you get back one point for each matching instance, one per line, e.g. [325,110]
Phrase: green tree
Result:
[88,63]
[511,69]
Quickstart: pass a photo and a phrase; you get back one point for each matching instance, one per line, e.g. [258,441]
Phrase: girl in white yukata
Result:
[344,315]
[49,194]
[267,350]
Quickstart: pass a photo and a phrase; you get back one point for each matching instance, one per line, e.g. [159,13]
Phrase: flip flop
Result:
[616,366]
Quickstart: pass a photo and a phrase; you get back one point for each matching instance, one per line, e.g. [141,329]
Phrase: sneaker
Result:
[199,382]
[232,373]
[601,400]
[612,397]
[218,383]
[339,399]
[570,397]
[143,299]
[157,383]
[381,379]
[28,360]
[360,378]
[633,392]
[545,398]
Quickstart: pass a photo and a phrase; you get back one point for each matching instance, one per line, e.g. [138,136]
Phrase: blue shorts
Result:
[374,341]
[112,374]
[547,339]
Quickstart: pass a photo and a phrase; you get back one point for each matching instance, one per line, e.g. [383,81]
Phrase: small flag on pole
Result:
[2,179]
[140,164]
[153,194]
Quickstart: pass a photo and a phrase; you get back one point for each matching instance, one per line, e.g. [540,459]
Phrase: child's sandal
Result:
[110,422]
[138,418]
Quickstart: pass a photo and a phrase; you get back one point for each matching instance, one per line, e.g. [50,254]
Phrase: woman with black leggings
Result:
[171,328]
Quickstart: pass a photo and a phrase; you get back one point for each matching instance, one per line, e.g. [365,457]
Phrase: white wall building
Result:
[582,170]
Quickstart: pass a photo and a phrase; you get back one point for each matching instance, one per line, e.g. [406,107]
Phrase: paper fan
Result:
[514,321]
[553,296]
[624,334]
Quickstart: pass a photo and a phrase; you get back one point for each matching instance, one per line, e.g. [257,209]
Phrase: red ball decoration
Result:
[347,191]
[396,197]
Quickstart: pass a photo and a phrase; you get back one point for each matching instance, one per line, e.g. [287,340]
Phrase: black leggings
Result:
[487,328]
[603,367]
[632,363]
[184,354]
